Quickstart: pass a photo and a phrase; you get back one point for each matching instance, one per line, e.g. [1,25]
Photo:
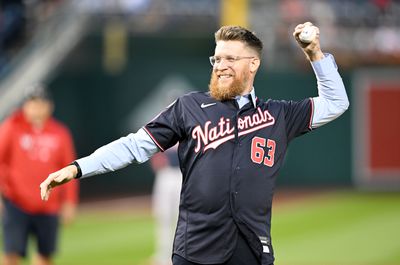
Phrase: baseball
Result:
[308,34]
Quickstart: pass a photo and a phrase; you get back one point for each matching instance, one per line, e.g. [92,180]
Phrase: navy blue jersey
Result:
[229,158]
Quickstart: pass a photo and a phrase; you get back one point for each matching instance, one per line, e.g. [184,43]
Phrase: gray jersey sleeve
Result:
[133,148]
[332,99]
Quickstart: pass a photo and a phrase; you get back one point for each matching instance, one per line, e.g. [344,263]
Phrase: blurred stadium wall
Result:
[113,65]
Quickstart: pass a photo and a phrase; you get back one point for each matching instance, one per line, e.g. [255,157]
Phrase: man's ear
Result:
[254,65]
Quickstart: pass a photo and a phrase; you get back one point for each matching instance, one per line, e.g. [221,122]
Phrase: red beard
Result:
[236,88]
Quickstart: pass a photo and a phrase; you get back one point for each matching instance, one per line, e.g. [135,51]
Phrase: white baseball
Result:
[308,34]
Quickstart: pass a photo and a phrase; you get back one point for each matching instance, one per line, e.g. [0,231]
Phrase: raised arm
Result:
[332,99]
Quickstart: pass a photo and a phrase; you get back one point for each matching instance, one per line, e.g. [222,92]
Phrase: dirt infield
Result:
[136,204]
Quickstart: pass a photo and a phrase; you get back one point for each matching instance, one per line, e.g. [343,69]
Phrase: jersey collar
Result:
[253,97]
[243,100]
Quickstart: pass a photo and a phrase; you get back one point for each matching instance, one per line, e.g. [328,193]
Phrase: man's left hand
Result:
[312,50]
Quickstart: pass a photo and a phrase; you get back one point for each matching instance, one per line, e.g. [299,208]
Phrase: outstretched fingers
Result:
[47,185]
[55,179]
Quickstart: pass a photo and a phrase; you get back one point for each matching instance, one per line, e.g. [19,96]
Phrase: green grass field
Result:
[102,238]
[339,228]
[332,228]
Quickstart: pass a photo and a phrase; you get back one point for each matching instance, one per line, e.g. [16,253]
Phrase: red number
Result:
[258,153]
[257,150]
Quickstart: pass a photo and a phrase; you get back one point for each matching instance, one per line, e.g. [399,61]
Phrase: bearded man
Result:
[231,146]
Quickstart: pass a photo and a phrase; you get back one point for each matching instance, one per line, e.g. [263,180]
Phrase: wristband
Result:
[79,174]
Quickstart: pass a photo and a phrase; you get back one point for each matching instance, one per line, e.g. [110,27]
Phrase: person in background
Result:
[166,192]
[33,144]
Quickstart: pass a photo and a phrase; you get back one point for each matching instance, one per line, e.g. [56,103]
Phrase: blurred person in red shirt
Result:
[32,145]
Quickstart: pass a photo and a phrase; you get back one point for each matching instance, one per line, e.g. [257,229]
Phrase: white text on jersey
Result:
[224,131]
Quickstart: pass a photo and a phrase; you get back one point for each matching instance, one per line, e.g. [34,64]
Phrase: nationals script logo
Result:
[224,131]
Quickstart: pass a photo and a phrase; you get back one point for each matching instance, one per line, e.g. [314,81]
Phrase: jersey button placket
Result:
[236,172]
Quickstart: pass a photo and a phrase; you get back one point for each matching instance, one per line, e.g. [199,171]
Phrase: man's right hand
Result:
[57,178]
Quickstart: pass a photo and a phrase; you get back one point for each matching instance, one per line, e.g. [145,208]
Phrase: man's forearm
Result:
[134,148]
[332,99]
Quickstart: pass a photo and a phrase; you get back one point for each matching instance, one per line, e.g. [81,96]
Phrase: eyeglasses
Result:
[230,59]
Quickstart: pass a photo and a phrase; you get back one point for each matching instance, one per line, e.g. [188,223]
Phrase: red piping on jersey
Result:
[154,140]
[312,114]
